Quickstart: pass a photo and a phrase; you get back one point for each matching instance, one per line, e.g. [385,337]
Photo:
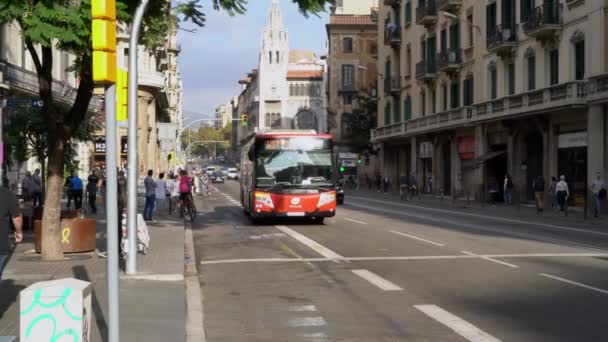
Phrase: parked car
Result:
[233,173]
[217,177]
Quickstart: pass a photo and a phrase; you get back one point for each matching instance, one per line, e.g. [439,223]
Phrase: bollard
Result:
[53,309]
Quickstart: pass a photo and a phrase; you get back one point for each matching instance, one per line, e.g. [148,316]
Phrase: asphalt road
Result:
[385,271]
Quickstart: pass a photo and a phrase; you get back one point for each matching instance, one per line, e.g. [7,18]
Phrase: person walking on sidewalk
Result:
[508,190]
[561,194]
[36,189]
[161,192]
[414,186]
[27,187]
[385,184]
[404,184]
[9,211]
[92,195]
[551,191]
[77,190]
[150,186]
[68,190]
[598,189]
[538,185]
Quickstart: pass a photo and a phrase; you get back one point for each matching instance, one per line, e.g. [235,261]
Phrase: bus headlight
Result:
[326,198]
[264,198]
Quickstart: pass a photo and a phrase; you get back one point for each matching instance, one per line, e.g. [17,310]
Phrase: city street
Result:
[388,271]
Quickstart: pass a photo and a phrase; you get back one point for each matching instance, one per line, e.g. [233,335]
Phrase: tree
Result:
[362,121]
[66,25]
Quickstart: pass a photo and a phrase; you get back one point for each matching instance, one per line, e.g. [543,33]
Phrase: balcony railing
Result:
[449,60]
[392,86]
[392,35]
[426,13]
[561,96]
[347,88]
[501,39]
[426,70]
[451,6]
[544,21]
[392,3]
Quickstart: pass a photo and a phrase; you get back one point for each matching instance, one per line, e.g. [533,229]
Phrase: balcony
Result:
[392,86]
[544,21]
[451,6]
[392,3]
[374,14]
[502,39]
[347,88]
[426,70]
[426,13]
[561,97]
[449,61]
[392,35]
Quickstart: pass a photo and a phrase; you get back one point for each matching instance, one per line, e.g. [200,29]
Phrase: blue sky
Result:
[215,57]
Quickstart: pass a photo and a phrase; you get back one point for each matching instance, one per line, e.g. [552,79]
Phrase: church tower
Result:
[274,58]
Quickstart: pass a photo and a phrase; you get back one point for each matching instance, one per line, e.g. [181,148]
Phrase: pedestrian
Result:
[414,185]
[77,190]
[430,184]
[538,185]
[173,189]
[385,184]
[67,186]
[161,192]
[404,184]
[598,189]
[121,184]
[36,189]
[551,191]
[378,182]
[150,186]
[27,185]
[92,195]
[562,194]
[508,190]
[9,211]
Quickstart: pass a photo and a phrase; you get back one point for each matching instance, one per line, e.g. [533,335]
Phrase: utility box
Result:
[53,310]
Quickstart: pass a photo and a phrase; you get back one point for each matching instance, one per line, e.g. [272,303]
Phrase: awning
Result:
[475,163]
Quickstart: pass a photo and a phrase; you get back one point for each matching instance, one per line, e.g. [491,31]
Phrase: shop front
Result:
[572,163]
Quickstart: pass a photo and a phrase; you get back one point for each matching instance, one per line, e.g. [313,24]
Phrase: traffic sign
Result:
[24,102]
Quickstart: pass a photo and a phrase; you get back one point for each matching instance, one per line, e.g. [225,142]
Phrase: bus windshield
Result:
[293,162]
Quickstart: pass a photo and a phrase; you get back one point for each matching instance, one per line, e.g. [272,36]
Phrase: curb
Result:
[195,331]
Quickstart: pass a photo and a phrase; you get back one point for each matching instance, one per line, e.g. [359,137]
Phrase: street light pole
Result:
[131,267]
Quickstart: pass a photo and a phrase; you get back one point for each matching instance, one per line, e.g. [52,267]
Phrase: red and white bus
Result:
[288,173]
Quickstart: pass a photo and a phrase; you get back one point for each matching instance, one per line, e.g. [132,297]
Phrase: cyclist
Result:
[185,190]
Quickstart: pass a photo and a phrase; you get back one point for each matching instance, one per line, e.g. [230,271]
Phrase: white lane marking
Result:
[589,287]
[483,228]
[494,218]
[306,322]
[303,308]
[377,280]
[491,259]
[405,258]
[317,247]
[457,324]
[417,238]
[316,337]
[355,221]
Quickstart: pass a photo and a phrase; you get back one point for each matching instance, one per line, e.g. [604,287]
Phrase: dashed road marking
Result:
[457,324]
[377,280]
[417,238]
[355,221]
[588,287]
[491,259]
[300,322]
[317,247]
[303,308]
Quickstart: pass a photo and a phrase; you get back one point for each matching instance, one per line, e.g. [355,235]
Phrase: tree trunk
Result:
[51,218]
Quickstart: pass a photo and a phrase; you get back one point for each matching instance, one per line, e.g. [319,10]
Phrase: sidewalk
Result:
[524,212]
[152,303]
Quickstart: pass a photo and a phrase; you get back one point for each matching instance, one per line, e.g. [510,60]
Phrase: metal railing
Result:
[549,13]
[500,35]
[426,10]
[392,84]
[392,34]
[452,56]
[426,68]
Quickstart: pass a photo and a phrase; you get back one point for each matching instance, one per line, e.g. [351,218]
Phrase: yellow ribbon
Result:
[65,235]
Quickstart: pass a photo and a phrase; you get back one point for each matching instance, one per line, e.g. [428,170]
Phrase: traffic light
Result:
[244,120]
[342,169]
[103,31]
[122,95]
[359,161]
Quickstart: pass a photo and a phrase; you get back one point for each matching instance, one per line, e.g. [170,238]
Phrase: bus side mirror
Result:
[250,154]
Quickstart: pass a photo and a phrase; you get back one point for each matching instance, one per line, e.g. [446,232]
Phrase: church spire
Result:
[275,22]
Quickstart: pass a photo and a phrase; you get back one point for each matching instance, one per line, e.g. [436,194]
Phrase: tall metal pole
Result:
[112,214]
[2,105]
[132,142]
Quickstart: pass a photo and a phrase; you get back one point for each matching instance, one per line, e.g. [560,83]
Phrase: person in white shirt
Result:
[173,187]
[161,192]
[596,188]
[562,193]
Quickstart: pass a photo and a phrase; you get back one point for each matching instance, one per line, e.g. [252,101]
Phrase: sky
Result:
[218,55]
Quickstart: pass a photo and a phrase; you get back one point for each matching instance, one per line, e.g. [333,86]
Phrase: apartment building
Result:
[223,115]
[472,90]
[352,59]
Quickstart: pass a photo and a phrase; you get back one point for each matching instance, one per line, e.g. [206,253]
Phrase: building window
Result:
[269,57]
[387,114]
[291,90]
[407,108]
[346,128]
[579,60]
[408,61]
[306,120]
[433,101]
[348,99]
[373,48]
[347,45]
[267,121]
[408,13]
[526,7]
[423,103]
[493,82]
[490,19]
[554,67]
[444,96]
[531,72]
[470,26]
[276,120]
[511,78]
[468,91]
[396,112]
[348,76]
[455,95]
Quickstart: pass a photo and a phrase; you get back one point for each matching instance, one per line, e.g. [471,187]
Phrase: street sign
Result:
[24,102]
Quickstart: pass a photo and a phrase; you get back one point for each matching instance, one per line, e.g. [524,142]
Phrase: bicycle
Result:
[188,208]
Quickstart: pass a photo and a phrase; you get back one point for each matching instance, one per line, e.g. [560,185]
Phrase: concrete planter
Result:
[78,235]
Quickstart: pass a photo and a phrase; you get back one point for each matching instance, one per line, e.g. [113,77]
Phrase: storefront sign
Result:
[578,139]
[466,147]
[426,150]
[100,145]
[347,155]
